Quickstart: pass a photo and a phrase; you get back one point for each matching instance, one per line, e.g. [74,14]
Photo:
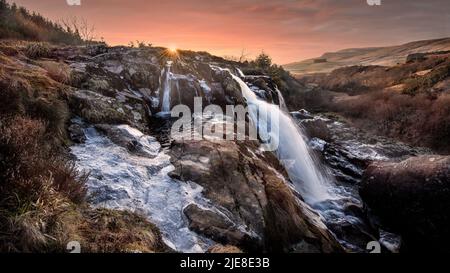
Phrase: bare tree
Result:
[231,58]
[244,55]
[80,27]
[242,58]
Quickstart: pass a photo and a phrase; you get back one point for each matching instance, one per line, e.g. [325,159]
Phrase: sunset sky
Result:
[288,30]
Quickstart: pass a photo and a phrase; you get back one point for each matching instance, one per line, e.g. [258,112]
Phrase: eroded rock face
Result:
[254,208]
[133,140]
[316,128]
[413,198]
[214,86]
[264,87]
[97,108]
[141,73]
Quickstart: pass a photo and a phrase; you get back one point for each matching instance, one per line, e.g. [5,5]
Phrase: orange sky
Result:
[288,30]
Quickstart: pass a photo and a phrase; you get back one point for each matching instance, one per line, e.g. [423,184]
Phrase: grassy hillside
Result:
[408,101]
[384,56]
[18,23]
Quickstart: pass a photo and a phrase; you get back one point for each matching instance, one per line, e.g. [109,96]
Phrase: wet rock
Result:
[412,198]
[317,144]
[76,133]
[249,188]
[344,166]
[215,226]
[131,139]
[390,241]
[316,128]
[302,114]
[96,108]
[348,222]
[97,49]
[264,88]
[183,91]
[225,90]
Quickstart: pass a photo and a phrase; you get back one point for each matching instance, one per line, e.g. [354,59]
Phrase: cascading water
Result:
[292,150]
[165,106]
[313,181]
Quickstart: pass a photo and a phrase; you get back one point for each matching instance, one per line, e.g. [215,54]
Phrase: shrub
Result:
[28,162]
[424,83]
[38,50]
[438,122]
[57,71]
[19,23]
[53,111]
[263,61]
[421,120]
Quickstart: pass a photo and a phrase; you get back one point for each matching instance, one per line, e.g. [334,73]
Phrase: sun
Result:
[171,52]
[173,49]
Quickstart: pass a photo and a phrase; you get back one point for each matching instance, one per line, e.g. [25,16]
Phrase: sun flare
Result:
[173,49]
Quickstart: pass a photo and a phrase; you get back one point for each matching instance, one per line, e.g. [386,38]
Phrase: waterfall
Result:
[292,150]
[165,106]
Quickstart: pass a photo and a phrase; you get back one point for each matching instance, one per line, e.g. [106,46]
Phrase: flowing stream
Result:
[311,179]
[292,150]
[121,179]
[165,107]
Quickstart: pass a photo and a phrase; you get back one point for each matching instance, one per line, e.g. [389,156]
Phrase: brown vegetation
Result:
[224,249]
[37,50]
[42,195]
[18,23]
[409,101]
[419,120]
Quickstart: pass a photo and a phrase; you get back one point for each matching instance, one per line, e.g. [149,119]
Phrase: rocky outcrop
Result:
[133,140]
[214,86]
[97,108]
[253,206]
[413,198]
[265,88]
[316,128]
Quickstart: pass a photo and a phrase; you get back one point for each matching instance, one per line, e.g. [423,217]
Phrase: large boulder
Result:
[316,128]
[413,198]
[254,207]
[97,108]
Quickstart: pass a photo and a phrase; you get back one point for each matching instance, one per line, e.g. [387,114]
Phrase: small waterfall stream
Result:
[292,150]
[165,106]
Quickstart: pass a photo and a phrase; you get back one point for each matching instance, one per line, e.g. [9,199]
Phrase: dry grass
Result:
[35,183]
[422,120]
[423,83]
[38,50]
[393,101]
[224,249]
[57,71]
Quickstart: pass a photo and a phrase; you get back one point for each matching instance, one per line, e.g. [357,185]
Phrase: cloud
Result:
[289,30]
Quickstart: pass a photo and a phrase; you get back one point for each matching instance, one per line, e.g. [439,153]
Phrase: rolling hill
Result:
[385,56]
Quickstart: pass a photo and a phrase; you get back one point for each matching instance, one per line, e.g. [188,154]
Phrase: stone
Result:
[412,197]
[248,187]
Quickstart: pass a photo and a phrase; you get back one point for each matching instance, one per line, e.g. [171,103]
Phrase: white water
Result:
[123,180]
[292,149]
[165,107]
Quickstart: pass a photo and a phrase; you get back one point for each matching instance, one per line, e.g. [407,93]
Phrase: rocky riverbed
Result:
[211,194]
[388,191]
